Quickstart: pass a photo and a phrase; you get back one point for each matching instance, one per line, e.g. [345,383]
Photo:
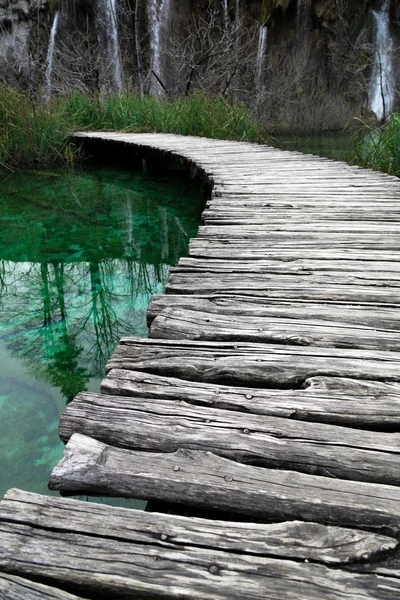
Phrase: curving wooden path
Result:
[267,395]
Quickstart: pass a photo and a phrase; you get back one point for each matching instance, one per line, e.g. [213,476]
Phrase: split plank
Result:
[290,539]
[18,588]
[251,364]
[113,568]
[177,323]
[259,251]
[258,218]
[376,269]
[377,317]
[166,426]
[324,287]
[331,228]
[334,400]
[300,233]
[202,479]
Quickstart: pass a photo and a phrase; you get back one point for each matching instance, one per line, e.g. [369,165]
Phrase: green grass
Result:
[379,147]
[30,135]
[37,135]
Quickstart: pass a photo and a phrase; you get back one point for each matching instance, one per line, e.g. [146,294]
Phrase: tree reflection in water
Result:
[80,257]
[65,320]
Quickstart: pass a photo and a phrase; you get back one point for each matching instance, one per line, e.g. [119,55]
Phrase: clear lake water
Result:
[81,254]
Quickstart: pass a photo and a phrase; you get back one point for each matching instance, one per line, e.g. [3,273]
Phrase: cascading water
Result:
[225,12]
[262,49]
[50,56]
[381,94]
[158,17]
[110,10]
[303,14]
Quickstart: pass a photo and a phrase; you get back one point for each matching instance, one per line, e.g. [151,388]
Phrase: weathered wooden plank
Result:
[291,539]
[252,364]
[322,399]
[178,323]
[284,240]
[275,165]
[220,281]
[202,479]
[331,228]
[285,174]
[303,203]
[326,207]
[18,588]
[255,251]
[167,426]
[278,171]
[323,287]
[365,235]
[251,184]
[376,269]
[120,570]
[227,218]
[378,316]
[302,197]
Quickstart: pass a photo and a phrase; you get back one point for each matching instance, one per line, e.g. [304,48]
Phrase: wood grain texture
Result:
[350,288]
[376,317]
[378,269]
[167,426]
[202,479]
[121,571]
[250,364]
[291,539]
[177,323]
[234,215]
[18,588]
[292,293]
[242,250]
[336,400]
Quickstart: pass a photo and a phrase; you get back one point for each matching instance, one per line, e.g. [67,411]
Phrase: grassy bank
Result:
[36,136]
[379,148]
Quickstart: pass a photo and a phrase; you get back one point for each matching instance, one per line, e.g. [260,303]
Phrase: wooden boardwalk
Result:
[266,400]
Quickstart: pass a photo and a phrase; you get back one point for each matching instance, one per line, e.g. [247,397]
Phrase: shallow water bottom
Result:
[80,256]
[29,442]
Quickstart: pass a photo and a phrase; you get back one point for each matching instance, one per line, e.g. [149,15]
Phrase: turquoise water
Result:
[339,146]
[80,256]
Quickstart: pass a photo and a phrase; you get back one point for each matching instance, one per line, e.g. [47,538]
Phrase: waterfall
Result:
[138,48]
[50,56]
[113,44]
[303,15]
[225,12]
[262,49]
[382,88]
[158,17]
